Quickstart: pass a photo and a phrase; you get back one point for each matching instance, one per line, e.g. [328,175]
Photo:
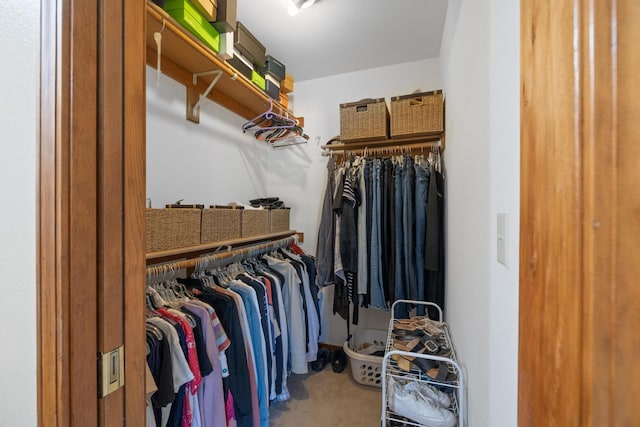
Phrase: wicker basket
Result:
[417,114]
[279,220]
[158,224]
[220,224]
[172,228]
[364,119]
[185,227]
[255,222]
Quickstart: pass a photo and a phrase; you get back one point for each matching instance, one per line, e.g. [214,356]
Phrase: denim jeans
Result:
[363,258]
[368,178]
[377,290]
[401,309]
[422,185]
[409,226]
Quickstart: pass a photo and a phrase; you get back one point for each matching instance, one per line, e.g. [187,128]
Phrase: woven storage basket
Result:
[417,114]
[172,228]
[220,224]
[158,226]
[364,119]
[185,227]
[255,222]
[279,220]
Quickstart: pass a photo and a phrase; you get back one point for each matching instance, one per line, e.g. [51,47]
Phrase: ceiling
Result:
[340,36]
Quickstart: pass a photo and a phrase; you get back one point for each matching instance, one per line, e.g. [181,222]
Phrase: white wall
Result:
[20,23]
[504,72]
[298,174]
[480,62]
[212,162]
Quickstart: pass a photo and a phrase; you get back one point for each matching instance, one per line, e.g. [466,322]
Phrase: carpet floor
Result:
[327,399]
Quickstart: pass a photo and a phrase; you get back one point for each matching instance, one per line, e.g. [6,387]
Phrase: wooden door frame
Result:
[579,229]
[90,220]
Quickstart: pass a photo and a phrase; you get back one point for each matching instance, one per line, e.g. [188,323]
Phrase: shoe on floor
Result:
[338,360]
[418,408]
[324,357]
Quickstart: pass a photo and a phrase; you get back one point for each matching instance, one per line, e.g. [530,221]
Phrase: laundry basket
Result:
[365,369]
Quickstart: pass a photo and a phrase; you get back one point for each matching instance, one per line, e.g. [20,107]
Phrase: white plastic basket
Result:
[365,369]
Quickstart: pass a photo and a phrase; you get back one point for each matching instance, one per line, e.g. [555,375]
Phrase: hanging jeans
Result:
[368,178]
[422,186]
[363,255]
[401,310]
[409,226]
[377,290]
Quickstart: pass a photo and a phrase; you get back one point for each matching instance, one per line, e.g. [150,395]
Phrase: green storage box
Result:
[190,18]
[258,79]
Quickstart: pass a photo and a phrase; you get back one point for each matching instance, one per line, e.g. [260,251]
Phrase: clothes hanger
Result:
[271,116]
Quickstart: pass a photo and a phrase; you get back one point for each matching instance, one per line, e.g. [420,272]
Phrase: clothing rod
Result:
[229,256]
[389,149]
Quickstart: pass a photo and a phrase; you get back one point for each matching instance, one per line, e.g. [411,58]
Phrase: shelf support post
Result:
[194,99]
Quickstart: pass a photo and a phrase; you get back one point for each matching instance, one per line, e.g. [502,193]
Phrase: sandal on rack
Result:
[426,326]
[442,372]
[418,346]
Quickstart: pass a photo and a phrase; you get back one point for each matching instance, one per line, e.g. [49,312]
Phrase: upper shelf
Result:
[183,55]
[191,251]
[394,143]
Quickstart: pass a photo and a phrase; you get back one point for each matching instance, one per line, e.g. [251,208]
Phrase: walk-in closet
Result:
[275,213]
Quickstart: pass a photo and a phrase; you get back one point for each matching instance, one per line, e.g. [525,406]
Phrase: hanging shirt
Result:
[292,298]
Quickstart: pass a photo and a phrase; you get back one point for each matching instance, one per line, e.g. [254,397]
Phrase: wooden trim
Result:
[66,217]
[49,412]
[580,233]
[90,209]
[134,210]
[110,176]
[551,245]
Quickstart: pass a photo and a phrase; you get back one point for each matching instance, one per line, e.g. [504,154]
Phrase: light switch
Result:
[502,237]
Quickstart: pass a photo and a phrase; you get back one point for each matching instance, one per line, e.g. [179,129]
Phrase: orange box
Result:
[284,100]
[208,8]
[286,85]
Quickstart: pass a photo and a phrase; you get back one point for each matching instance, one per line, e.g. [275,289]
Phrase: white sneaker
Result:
[417,408]
[429,392]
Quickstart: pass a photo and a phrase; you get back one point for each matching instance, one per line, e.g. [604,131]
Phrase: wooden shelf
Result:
[183,55]
[191,251]
[400,143]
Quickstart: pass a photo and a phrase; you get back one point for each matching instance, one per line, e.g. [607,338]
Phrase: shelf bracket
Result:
[194,99]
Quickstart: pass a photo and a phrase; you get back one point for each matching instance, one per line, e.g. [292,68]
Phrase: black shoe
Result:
[338,360]
[324,357]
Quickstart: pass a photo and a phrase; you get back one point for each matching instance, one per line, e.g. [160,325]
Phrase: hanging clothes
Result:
[220,343]
[388,235]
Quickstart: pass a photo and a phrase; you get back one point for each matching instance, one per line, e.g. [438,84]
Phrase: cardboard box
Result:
[226,45]
[274,68]
[284,99]
[241,65]
[191,19]
[272,88]
[286,85]
[249,45]
[207,8]
[258,79]
[227,16]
